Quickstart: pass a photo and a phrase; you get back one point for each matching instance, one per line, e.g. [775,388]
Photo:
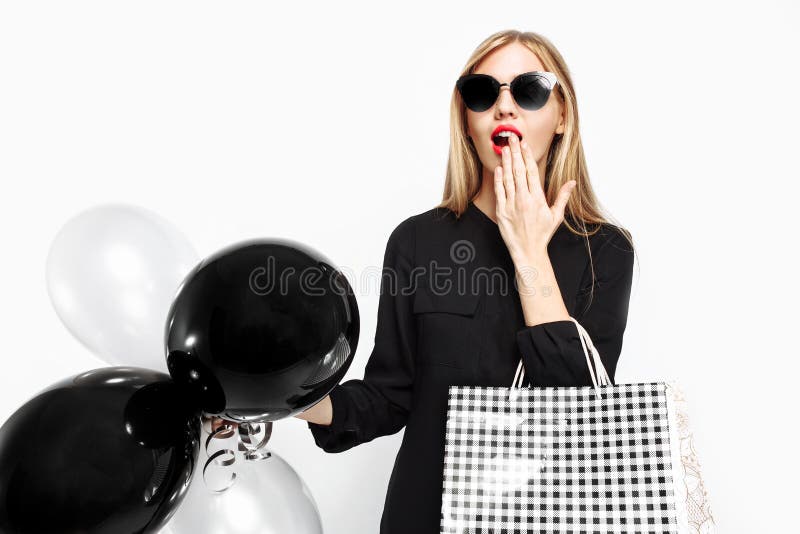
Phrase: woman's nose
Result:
[505,102]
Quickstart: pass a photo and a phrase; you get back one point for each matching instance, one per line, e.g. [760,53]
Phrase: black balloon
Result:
[107,451]
[262,330]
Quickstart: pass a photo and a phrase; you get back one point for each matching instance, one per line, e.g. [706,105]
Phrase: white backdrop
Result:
[328,123]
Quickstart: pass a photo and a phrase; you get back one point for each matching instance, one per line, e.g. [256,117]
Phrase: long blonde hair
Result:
[565,159]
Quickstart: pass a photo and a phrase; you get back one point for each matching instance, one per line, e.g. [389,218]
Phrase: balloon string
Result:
[221,458]
[254,449]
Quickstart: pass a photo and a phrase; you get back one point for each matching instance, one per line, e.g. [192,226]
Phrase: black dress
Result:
[464,326]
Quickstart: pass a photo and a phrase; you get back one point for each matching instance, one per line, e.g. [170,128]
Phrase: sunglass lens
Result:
[532,91]
[478,93]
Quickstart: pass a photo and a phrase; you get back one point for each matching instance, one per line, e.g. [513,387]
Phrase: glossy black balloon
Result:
[262,330]
[108,451]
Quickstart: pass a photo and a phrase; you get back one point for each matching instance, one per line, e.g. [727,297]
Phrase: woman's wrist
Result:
[528,258]
[319,414]
[538,289]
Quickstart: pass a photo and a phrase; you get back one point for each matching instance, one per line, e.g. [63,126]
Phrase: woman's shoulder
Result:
[600,234]
[614,236]
[424,222]
[420,232]
[610,247]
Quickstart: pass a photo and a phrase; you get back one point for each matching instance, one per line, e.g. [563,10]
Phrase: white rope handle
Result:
[602,378]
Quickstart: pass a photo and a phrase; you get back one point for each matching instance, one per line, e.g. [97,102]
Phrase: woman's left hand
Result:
[525,220]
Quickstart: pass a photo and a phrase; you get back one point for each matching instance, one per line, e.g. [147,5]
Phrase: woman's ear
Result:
[560,127]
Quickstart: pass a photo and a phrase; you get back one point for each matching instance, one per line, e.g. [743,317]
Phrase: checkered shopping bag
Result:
[585,459]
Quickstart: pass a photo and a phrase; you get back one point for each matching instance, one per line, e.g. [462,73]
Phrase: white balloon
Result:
[267,497]
[112,273]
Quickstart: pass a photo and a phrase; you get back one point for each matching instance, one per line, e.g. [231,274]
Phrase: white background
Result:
[328,123]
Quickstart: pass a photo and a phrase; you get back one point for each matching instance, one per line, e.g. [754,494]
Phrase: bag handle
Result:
[602,378]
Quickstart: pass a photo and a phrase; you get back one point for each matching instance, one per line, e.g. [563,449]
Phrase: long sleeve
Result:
[378,404]
[552,352]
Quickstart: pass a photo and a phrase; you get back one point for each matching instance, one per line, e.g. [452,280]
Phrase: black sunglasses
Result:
[530,90]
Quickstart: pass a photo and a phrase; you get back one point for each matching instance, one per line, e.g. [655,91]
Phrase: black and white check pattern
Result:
[560,459]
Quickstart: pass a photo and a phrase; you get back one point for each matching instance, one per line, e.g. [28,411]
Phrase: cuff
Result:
[553,355]
[326,435]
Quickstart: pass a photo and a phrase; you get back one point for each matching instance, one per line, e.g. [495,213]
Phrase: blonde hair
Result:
[565,159]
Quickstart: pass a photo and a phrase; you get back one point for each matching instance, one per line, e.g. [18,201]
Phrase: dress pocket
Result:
[447,328]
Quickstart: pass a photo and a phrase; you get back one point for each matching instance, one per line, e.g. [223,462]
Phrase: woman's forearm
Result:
[321,413]
[538,290]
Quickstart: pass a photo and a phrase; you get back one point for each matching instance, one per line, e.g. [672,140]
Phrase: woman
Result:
[519,212]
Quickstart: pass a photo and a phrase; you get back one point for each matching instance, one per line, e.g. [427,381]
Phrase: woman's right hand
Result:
[217,422]
[321,414]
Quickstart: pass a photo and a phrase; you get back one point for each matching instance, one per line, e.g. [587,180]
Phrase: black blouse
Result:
[449,313]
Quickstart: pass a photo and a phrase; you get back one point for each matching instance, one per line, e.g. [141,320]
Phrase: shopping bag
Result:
[590,459]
